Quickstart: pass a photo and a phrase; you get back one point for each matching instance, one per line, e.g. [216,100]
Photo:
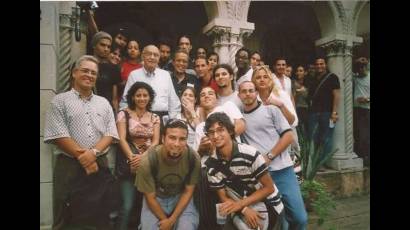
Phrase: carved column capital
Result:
[220,35]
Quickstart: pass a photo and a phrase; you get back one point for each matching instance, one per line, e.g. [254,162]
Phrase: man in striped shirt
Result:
[239,175]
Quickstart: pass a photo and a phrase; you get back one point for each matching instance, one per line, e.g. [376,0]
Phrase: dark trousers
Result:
[66,171]
[361,130]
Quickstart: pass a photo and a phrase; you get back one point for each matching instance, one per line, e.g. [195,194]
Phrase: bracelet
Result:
[243,210]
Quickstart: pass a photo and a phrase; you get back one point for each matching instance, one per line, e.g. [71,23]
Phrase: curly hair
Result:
[136,86]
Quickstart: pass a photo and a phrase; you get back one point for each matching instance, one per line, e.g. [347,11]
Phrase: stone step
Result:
[346,183]
[351,213]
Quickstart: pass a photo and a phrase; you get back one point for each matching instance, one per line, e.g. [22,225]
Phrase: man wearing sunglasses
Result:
[167,176]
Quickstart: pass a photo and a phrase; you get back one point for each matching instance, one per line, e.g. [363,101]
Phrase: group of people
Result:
[191,130]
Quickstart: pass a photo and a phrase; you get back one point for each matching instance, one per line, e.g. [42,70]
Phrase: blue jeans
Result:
[295,212]
[322,134]
[130,198]
[188,220]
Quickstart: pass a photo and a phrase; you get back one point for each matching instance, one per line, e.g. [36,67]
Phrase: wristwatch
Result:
[270,155]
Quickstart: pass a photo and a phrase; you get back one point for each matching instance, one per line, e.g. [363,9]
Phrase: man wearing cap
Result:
[109,74]
[166,102]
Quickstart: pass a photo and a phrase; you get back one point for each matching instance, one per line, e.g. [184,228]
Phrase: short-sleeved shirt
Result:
[265,126]
[322,101]
[86,121]
[141,133]
[170,177]
[109,75]
[246,161]
[361,89]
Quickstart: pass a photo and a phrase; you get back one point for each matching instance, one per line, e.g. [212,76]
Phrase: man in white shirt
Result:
[280,77]
[166,102]
[223,74]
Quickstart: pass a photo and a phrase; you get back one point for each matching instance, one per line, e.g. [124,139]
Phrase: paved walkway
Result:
[350,214]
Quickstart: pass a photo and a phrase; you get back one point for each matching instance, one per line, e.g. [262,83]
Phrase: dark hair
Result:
[165,41]
[185,88]
[183,36]
[279,58]
[223,120]
[175,123]
[255,52]
[123,52]
[225,66]
[319,57]
[243,49]
[206,60]
[212,53]
[136,86]
[179,51]
[126,47]
[201,47]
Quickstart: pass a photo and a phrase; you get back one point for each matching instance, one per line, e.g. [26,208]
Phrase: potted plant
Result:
[314,193]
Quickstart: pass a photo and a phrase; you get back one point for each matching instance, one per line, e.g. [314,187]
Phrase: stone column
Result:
[228,37]
[69,48]
[339,61]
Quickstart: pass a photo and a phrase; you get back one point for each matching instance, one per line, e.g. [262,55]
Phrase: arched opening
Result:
[152,21]
[363,30]
[286,29]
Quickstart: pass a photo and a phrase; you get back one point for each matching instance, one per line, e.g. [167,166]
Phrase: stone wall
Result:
[48,70]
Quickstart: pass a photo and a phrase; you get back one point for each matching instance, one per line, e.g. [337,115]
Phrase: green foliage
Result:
[321,201]
[313,192]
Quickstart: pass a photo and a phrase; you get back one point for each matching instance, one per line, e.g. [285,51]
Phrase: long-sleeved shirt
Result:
[165,97]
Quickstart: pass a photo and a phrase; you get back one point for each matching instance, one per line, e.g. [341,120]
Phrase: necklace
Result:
[139,115]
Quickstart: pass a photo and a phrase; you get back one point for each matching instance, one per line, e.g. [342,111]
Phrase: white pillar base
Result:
[350,162]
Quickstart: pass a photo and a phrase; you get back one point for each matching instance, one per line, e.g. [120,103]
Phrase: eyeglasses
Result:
[88,71]
[211,133]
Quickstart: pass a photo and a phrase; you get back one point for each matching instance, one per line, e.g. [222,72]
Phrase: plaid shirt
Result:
[86,121]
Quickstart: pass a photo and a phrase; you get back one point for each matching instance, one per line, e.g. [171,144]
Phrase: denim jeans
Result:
[188,220]
[323,133]
[295,212]
[131,198]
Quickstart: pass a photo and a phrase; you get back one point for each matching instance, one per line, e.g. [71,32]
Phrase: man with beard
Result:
[268,131]
[223,75]
[167,176]
[244,69]
[165,61]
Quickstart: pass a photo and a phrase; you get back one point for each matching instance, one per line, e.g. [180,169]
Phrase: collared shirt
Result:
[165,97]
[86,121]
[189,80]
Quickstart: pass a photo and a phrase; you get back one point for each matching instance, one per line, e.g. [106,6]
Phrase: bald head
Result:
[150,56]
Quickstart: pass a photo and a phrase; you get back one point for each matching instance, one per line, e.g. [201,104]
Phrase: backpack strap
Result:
[153,162]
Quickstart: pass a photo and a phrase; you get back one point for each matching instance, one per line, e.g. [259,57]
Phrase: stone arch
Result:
[361,18]
[331,17]
[227,9]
